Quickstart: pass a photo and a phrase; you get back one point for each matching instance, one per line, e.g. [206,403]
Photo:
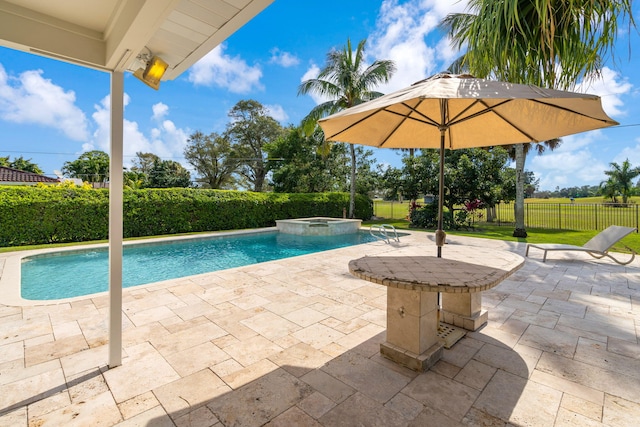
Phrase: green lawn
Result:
[535,235]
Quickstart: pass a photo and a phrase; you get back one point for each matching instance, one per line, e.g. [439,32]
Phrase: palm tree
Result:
[620,181]
[346,80]
[529,41]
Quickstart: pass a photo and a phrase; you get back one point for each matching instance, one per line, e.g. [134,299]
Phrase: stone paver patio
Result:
[296,343]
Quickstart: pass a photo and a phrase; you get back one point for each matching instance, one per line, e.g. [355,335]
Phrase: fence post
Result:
[559,216]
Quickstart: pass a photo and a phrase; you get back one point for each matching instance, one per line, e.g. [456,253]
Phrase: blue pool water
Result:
[86,272]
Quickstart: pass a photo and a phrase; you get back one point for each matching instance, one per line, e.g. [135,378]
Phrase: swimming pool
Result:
[65,275]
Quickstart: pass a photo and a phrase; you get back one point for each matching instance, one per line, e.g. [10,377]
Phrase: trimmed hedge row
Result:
[31,215]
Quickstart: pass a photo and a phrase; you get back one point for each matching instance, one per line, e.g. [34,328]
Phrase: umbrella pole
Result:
[440,234]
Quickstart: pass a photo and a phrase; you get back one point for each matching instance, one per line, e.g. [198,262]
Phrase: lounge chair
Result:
[598,247]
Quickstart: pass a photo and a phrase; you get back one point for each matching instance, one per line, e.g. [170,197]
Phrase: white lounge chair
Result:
[598,247]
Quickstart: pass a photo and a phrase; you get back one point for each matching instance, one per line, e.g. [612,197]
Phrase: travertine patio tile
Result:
[566,308]
[318,335]
[620,412]
[153,314]
[190,392]
[11,351]
[568,418]
[366,376]
[316,405]
[144,370]
[596,354]
[571,388]
[300,359]
[336,390]
[226,368]
[623,347]
[179,341]
[583,407]
[367,411]
[543,318]
[475,374]
[591,376]
[46,405]
[252,350]
[138,404]
[404,405]
[201,417]
[24,329]
[506,359]
[551,340]
[155,417]
[268,396]
[99,410]
[293,417]
[271,325]
[461,353]
[248,374]
[436,391]
[28,389]
[494,335]
[305,316]
[194,359]
[35,355]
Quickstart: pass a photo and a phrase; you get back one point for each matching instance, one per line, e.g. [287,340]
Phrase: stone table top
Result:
[462,269]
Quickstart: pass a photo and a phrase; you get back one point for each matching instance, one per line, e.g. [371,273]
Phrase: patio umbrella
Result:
[449,111]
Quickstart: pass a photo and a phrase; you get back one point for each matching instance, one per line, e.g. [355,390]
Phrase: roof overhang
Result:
[110,34]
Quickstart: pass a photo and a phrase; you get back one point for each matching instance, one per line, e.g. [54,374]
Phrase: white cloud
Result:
[282,58]
[609,86]
[572,164]
[159,110]
[277,112]
[401,35]
[32,99]
[231,73]
[165,140]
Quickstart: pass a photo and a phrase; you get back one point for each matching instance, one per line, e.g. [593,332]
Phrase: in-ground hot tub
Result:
[318,226]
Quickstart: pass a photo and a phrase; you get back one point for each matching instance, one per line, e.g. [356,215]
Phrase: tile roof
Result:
[15,175]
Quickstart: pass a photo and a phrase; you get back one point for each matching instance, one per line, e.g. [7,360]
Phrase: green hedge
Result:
[32,215]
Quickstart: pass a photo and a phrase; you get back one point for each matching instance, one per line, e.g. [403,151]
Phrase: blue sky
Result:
[52,111]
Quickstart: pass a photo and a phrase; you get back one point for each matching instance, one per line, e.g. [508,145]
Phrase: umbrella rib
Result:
[330,137]
[569,110]
[429,121]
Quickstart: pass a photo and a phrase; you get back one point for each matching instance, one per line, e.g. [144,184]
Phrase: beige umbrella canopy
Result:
[459,111]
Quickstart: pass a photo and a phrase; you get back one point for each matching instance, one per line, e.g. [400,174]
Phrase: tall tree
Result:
[542,42]
[251,128]
[22,164]
[302,163]
[91,166]
[346,80]
[168,174]
[213,158]
[620,181]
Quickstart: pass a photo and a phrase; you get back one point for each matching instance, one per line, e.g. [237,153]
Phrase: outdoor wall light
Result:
[153,72]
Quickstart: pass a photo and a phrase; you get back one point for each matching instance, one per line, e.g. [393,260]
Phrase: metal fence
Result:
[569,216]
[553,216]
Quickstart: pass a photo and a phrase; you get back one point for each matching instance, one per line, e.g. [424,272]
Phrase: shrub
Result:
[31,215]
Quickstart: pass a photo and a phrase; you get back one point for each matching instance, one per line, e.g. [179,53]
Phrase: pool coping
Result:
[10,273]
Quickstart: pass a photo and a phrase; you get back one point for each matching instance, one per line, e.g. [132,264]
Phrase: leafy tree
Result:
[91,166]
[168,174]
[22,164]
[213,158]
[249,131]
[540,42]
[301,163]
[347,81]
[470,174]
[144,162]
[620,181]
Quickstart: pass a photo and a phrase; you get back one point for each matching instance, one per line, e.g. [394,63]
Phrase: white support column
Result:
[116,219]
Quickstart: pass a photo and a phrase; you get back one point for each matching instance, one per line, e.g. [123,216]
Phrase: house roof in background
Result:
[10,175]
[111,34]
